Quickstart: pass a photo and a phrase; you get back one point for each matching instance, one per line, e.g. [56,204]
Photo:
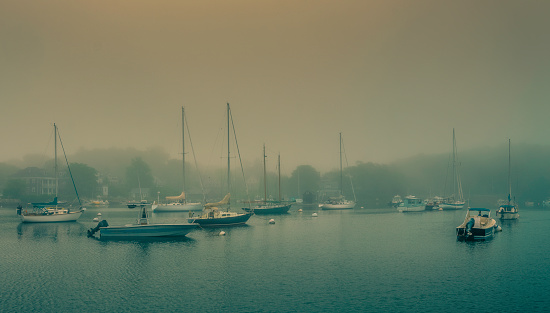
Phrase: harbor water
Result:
[362,260]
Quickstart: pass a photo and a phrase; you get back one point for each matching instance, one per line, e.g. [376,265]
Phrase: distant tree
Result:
[305,178]
[14,189]
[85,179]
[139,174]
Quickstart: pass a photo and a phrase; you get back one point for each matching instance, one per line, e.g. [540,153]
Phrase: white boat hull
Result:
[508,215]
[338,206]
[149,230]
[412,208]
[451,206]
[50,218]
[178,207]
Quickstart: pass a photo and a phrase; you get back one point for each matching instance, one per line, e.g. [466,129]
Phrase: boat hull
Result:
[508,215]
[451,206]
[270,209]
[50,218]
[419,208]
[475,233]
[177,207]
[149,230]
[239,219]
[338,206]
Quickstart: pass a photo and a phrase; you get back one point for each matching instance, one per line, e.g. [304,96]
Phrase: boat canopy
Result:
[45,204]
[180,197]
[507,206]
[225,200]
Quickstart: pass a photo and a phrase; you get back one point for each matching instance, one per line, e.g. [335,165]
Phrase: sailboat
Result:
[179,203]
[212,215]
[455,201]
[508,211]
[142,228]
[339,203]
[52,211]
[267,206]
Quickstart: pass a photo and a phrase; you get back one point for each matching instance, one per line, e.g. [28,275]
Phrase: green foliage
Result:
[138,174]
[305,178]
[85,179]
[14,189]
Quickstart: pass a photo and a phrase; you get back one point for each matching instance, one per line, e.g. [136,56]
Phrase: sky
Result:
[394,77]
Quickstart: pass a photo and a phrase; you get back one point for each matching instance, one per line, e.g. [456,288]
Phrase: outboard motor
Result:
[19,209]
[469,226]
[94,230]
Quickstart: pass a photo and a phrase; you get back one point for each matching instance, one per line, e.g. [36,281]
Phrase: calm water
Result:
[365,260]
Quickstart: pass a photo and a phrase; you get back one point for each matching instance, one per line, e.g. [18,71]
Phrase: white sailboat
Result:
[179,203]
[455,200]
[509,210]
[340,202]
[51,211]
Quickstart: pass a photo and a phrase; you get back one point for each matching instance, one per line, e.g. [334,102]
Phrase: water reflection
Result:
[54,231]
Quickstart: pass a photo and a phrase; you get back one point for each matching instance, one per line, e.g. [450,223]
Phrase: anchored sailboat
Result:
[51,211]
[508,211]
[212,215]
[179,203]
[339,203]
[270,206]
[455,200]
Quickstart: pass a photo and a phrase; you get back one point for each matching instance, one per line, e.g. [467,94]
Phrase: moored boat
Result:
[142,228]
[339,202]
[455,201]
[411,204]
[478,225]
[213,216]
[52,212]
[508,210]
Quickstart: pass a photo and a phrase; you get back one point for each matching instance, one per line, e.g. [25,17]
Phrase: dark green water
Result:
[365,260]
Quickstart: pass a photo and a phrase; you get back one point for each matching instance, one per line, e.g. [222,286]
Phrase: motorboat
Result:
[477,225]
[142,228]
[411,204]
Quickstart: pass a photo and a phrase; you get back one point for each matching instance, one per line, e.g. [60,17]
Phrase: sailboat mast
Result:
[454,163]
[509,173]
[265,178]
[341,177]
[55,161]
[279,166]
[183,147]
[228,153]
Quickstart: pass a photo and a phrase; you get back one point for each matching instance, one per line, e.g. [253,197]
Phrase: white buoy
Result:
[499,228]
[299,210]
[99,214]
[440,209]
[271,221]
[97,218]
[222,233]
[314,214]
[362,207]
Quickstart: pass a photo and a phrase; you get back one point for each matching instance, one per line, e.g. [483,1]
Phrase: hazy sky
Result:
[393,76]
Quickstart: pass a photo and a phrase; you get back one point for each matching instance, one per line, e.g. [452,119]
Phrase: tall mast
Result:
[183,147]
[265,178]
[454,163]
[341,177]
[279,166]
[55,161]
[228,153]
[509,174]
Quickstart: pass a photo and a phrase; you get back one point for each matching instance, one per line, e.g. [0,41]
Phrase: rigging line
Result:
[70,173]
[194,157]
[240,160]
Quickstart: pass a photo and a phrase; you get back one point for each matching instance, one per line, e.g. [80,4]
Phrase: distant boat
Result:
[266,206]
[395,201]
[339,202]
[478,225]
[212,215]
[508,211]
[455,200]
[411,204]
[179,203]
[142,228]
[51,211]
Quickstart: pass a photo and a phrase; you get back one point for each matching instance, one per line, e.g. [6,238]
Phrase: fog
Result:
[394,77]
